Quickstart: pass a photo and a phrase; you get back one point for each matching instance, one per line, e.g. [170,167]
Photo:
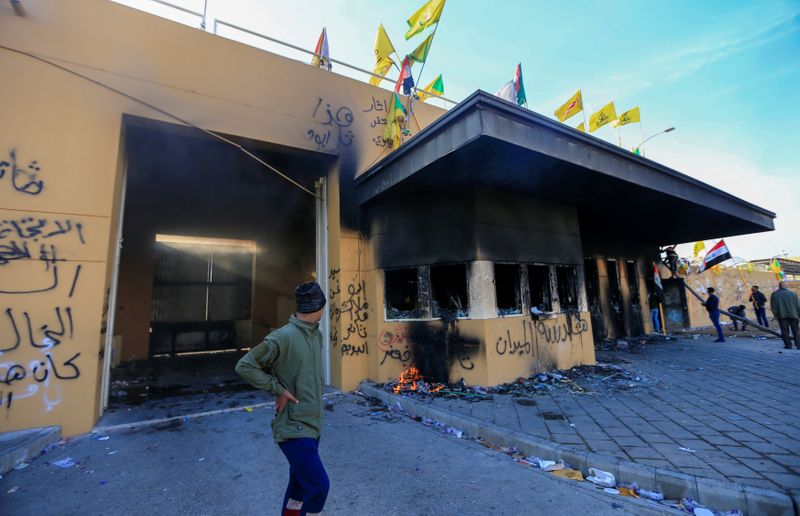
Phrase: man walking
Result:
[288,364]
[786,309]
[712,307]
[759,301]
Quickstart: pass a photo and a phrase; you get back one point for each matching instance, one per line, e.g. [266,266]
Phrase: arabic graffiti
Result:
[22,180]
[39,228]
[336,126]
[355,308]
[507,345]
[350,313]
[395,344]
[335,314]
[381,109]
[561,332]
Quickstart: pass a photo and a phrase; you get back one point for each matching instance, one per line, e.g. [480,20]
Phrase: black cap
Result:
[309,297]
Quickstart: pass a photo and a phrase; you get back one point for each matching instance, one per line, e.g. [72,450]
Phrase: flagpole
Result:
[663,326]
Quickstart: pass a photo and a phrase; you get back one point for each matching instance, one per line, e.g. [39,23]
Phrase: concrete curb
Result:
[24,445]
[720,495]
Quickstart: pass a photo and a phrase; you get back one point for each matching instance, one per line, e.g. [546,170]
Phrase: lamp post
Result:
[638,148]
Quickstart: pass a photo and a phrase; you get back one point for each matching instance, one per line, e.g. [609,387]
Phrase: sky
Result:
[724,73]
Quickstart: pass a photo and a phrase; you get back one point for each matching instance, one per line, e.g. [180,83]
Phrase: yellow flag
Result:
[572,106]
[631,116]
[436,87]
[383,45]
[381,68]
[581,127]
[424,17]
[698,246]
[395,119]
[605,116]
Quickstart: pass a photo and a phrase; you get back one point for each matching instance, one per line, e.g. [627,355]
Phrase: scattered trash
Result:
[13,490]
[652,495]
[65,463]
[627,491]
[98,437]
[103,482]
[611,490]
[453,431]
[185,419]
[601,478]
[702,511]
[555,466]
[21,465]
[248,409]
[201,459]
[687,450]
[571,474]
[113,452]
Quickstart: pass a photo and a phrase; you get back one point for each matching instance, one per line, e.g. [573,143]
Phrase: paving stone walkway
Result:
[735,407]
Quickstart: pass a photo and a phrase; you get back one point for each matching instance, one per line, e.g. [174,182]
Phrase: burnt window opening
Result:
[567,284]
[592,279]
[449,290]
[633,282]
[402,294]
[539,287]
[506,286]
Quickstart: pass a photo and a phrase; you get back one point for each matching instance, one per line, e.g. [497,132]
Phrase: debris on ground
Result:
[601,478]
[585,379]
[65,463]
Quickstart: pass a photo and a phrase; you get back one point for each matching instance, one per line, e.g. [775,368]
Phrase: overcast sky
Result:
[725,73]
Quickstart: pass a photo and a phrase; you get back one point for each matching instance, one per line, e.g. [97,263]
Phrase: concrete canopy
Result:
[489,143]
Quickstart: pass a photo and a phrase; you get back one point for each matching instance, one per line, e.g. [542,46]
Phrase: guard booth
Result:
[676,310]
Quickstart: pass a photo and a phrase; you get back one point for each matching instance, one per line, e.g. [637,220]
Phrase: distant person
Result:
[288,364]
[712,307]
[741,311]
[759,301]
[654,300]
[671,259]
[786,308]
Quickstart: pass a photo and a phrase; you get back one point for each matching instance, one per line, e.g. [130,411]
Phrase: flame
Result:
[410,379]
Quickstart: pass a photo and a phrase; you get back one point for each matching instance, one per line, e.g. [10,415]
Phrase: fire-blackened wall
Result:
[480,228]
[471,224]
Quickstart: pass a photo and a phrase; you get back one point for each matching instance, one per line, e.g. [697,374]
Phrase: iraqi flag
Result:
[322,54]
[716,255]
[406,81]
[657,277]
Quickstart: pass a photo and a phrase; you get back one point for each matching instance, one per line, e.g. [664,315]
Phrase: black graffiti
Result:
[335,122]
[23,180]
[402,356]
[53,336]
[351,350]
[380,141]
[516,347]
[561,332]
[30,228]
[335,314]
[355,307]
[40,371]
[75,283]
[377,105]
[435,350]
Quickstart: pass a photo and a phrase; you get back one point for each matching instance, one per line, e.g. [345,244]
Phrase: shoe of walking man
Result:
[712,306]
[786,308]
[288,364]
[759,301]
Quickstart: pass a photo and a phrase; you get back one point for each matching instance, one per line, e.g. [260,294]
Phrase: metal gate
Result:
[201,291]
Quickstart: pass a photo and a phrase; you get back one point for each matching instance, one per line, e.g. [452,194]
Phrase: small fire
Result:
[410,379]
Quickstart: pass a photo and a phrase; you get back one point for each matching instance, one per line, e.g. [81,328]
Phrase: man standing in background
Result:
[712,307]
[786,309]
[759,301]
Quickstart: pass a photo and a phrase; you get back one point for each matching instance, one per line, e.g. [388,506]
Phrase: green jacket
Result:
[784,304]
[290,358]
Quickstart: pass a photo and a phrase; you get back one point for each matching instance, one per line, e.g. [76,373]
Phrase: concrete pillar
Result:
[480,284]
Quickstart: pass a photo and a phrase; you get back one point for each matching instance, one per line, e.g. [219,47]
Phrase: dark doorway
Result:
[591,277]
[636,315]
[676,310]
[615,298]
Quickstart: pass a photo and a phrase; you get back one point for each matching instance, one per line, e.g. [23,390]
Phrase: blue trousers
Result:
[655,320]
[761,316]
[714,315]
[308,480]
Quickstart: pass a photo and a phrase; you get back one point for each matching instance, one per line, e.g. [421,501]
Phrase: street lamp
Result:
[638,148]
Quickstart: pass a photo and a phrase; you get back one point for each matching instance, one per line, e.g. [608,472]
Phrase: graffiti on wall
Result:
[23,180]
[36,336]
[379,109]
[334,130]
[437,349]
[395,344]
[551,331]
[556,332]
[350,315]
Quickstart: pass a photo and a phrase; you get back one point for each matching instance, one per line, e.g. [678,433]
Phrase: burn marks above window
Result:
[402,294]
[449,291]
[507,291]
